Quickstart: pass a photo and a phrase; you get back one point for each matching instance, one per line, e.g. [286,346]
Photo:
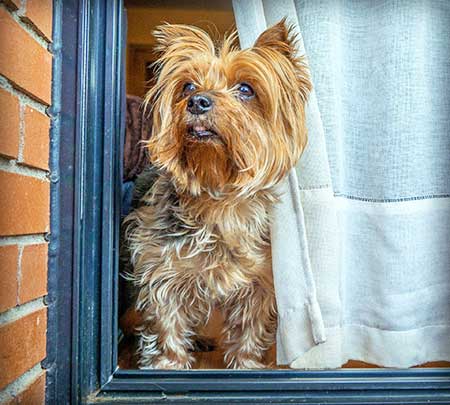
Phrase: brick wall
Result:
[25,94]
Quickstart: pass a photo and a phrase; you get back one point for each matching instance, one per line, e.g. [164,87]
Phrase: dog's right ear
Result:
[179,38]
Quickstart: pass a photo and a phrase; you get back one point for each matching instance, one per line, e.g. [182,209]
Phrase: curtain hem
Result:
[393,349]
[296,330]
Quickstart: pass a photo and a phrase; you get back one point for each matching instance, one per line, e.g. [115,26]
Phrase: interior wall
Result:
[215,16]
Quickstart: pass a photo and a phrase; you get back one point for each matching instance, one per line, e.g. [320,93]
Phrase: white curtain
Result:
[361,239]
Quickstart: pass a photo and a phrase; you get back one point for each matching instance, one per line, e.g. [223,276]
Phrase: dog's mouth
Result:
[200,132]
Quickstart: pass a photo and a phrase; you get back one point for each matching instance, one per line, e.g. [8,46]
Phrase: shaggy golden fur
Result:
[200,238]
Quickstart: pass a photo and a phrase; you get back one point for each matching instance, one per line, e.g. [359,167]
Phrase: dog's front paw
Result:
[167,363]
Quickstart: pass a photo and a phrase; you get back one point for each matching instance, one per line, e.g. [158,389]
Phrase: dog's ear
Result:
[279,37]
[283,39]
[181,38]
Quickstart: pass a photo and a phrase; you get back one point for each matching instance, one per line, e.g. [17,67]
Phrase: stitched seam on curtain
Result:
[321,187]
[437,325]
[392,200]
[376,200]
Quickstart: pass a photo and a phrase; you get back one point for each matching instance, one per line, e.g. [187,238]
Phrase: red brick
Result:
[33,394]
[33,272]
[8,276]
[23,345]
[9,124]
[37,133]
[24,204]
[40,13]
[23,60]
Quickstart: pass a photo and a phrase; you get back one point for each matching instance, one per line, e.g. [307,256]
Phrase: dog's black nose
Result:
[199,104]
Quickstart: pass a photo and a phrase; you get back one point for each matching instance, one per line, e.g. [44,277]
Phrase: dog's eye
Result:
[188,88]
[246,91]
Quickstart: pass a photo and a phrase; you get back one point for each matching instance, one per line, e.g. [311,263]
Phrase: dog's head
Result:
[227,119]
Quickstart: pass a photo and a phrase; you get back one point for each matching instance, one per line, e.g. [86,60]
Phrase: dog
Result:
[228,124]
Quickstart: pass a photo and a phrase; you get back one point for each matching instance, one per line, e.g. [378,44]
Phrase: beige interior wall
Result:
[215,16]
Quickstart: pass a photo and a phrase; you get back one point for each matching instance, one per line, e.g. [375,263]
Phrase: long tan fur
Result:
[200,238]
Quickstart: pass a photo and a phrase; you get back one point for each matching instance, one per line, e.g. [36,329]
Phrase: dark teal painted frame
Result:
[83,259]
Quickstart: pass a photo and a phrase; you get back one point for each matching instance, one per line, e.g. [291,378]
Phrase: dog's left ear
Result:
[283,39]
[279,37]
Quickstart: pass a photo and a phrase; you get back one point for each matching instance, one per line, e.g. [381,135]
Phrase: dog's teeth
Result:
[199,128]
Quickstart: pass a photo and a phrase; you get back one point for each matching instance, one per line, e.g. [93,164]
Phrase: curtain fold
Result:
[366,258]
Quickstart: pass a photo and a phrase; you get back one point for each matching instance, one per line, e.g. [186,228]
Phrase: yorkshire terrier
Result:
[228,124]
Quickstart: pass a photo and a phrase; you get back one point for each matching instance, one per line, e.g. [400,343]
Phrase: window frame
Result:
[83,255]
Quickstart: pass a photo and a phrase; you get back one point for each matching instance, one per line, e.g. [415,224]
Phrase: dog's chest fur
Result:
[214,247]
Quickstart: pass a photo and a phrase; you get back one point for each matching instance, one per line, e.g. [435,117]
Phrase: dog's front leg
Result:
[250,326]
[165,337]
